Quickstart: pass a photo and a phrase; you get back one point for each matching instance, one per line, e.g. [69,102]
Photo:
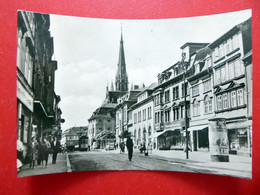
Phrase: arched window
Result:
[196,107]
[144,134]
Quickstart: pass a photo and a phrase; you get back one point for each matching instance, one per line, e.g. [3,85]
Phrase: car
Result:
[110,146]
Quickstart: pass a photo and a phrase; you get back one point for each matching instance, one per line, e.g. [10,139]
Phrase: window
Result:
[182,110]
[167,115]
[196,108]
[223,77]
[195,90]
[206,108]
[217,76]
[240,98]
[210,105]
[139,116]
[149,112]
[225,101]
[221,50]
[157,99]
[175,93]
[135,117]
[144,114]
[167,96]
[162,119]
[219,102]
[229,46]
[233,99]
[207,85]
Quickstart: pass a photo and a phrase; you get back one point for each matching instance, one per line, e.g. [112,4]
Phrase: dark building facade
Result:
[38,112]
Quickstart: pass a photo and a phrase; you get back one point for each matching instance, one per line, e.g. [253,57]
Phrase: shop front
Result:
[169,139]
[199,138]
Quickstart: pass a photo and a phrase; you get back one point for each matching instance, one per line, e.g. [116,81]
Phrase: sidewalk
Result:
[59,167]
[239,166]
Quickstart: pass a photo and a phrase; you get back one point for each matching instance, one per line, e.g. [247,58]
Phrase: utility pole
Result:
[183,55]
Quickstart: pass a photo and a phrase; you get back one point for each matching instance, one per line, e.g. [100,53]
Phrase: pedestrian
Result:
[33,152]
[55,145]
[122,147]
[45,150]
[129,145]
[39,157]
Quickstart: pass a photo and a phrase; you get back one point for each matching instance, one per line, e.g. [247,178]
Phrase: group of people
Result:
[38,151]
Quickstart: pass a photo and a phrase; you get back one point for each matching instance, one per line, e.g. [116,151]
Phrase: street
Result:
[198,162]
[113,160]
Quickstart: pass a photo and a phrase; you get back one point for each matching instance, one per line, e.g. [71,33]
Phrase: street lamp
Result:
[183,55]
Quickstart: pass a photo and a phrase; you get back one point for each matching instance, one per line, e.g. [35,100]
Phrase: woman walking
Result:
[45,150]
[33,152]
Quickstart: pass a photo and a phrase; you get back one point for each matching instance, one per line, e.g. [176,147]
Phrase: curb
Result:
[68,163]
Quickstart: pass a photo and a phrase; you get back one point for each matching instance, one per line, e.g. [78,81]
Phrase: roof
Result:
[76,130]
[229,33]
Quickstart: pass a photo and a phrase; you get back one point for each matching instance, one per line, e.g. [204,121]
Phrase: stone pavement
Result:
[59,167]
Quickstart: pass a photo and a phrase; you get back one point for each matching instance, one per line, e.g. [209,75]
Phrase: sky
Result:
[87,52]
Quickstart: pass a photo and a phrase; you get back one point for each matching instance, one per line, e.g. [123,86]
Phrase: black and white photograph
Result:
[170,94]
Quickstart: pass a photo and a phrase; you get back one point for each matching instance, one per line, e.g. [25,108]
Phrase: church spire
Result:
[121,81]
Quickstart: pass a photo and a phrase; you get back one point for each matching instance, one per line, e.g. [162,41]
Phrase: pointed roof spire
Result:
[121,75]
[112,86]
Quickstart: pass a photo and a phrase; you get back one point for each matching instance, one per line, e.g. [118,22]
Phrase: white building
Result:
[142,118]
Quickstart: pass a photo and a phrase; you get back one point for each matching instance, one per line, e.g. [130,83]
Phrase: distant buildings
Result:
[38,112]
[72,136]
[212,86]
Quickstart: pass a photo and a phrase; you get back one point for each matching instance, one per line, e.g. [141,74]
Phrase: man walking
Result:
[129,145]
[55,149]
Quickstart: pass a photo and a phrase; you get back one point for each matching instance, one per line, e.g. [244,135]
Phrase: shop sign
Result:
[24,96]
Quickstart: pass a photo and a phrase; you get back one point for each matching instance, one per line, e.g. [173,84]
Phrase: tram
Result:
[83,143]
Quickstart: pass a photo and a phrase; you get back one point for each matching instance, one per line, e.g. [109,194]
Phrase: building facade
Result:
[230,85]
[38,112]
[171,99]
[142,123]
[201,98]
[102,126]
[122,116]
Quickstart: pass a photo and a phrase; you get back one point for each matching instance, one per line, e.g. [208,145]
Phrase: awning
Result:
[162,132]
[157,134]
[197,128]
[239,125]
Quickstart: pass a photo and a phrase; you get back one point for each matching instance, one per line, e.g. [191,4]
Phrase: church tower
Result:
[121,81]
